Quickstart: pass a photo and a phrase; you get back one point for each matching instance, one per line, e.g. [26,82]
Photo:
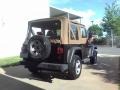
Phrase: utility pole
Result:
[81,20]
[92,22]
[112,37]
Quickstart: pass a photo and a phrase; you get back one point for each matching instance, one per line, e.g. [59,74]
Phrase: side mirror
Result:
[90,34]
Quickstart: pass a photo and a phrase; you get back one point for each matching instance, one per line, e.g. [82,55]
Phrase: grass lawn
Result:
[119,87]
[9,61]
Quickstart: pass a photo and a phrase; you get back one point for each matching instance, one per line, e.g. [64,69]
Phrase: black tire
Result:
[31,66]
[39,47]
[72,71]
[33,70]
[93,59]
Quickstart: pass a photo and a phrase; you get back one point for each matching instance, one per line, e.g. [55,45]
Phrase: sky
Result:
[90,10]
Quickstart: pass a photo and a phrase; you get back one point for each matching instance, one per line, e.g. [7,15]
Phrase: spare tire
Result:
[39,47]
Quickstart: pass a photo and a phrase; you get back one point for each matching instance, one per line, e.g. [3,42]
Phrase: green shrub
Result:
[100,41]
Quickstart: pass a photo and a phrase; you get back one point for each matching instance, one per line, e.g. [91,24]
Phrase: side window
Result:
[35,30]
[83,32]
[74,32]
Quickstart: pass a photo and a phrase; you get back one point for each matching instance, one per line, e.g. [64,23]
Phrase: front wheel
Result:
[93,59]
[75,67]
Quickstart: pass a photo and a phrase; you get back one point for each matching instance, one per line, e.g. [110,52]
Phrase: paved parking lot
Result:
[102,76]
[109,50]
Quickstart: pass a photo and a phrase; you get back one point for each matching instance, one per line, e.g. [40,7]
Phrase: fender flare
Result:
[71,52]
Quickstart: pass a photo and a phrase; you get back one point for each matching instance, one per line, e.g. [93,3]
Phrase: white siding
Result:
[14,16]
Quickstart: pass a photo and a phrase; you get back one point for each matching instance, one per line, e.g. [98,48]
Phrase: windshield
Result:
[51,29]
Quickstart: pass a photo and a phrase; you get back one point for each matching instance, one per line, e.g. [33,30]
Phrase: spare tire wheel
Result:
[39,47]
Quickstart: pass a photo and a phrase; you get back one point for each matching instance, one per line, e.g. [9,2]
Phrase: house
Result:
[14,17]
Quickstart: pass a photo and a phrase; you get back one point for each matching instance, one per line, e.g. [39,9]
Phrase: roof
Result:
[54,12]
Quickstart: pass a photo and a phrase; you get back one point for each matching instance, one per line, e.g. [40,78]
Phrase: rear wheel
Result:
[31,66]
[75,67]
[33,70]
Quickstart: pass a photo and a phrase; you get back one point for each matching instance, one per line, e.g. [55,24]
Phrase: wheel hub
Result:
[36,48]
[78,67]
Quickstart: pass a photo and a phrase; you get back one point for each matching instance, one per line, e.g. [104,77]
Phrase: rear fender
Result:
[71,52]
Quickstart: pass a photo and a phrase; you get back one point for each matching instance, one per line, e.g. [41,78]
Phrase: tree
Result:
[111,20]
[96,30]
[117,26]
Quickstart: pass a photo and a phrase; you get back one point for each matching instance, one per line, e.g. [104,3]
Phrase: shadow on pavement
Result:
[48,77]
[108,68]
[21,72]
[8,83]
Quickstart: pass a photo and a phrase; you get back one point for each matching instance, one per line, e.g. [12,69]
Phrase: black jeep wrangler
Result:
[57,45]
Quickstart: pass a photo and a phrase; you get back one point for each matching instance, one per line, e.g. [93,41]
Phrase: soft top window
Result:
[50,28]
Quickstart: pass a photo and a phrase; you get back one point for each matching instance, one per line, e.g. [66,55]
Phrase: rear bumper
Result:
[53,66]
[47,66]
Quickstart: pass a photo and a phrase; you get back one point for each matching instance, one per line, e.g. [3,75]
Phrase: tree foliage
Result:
[96,30]
[111,20]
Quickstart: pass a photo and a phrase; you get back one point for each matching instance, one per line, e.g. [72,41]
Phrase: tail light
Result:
[60,50]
